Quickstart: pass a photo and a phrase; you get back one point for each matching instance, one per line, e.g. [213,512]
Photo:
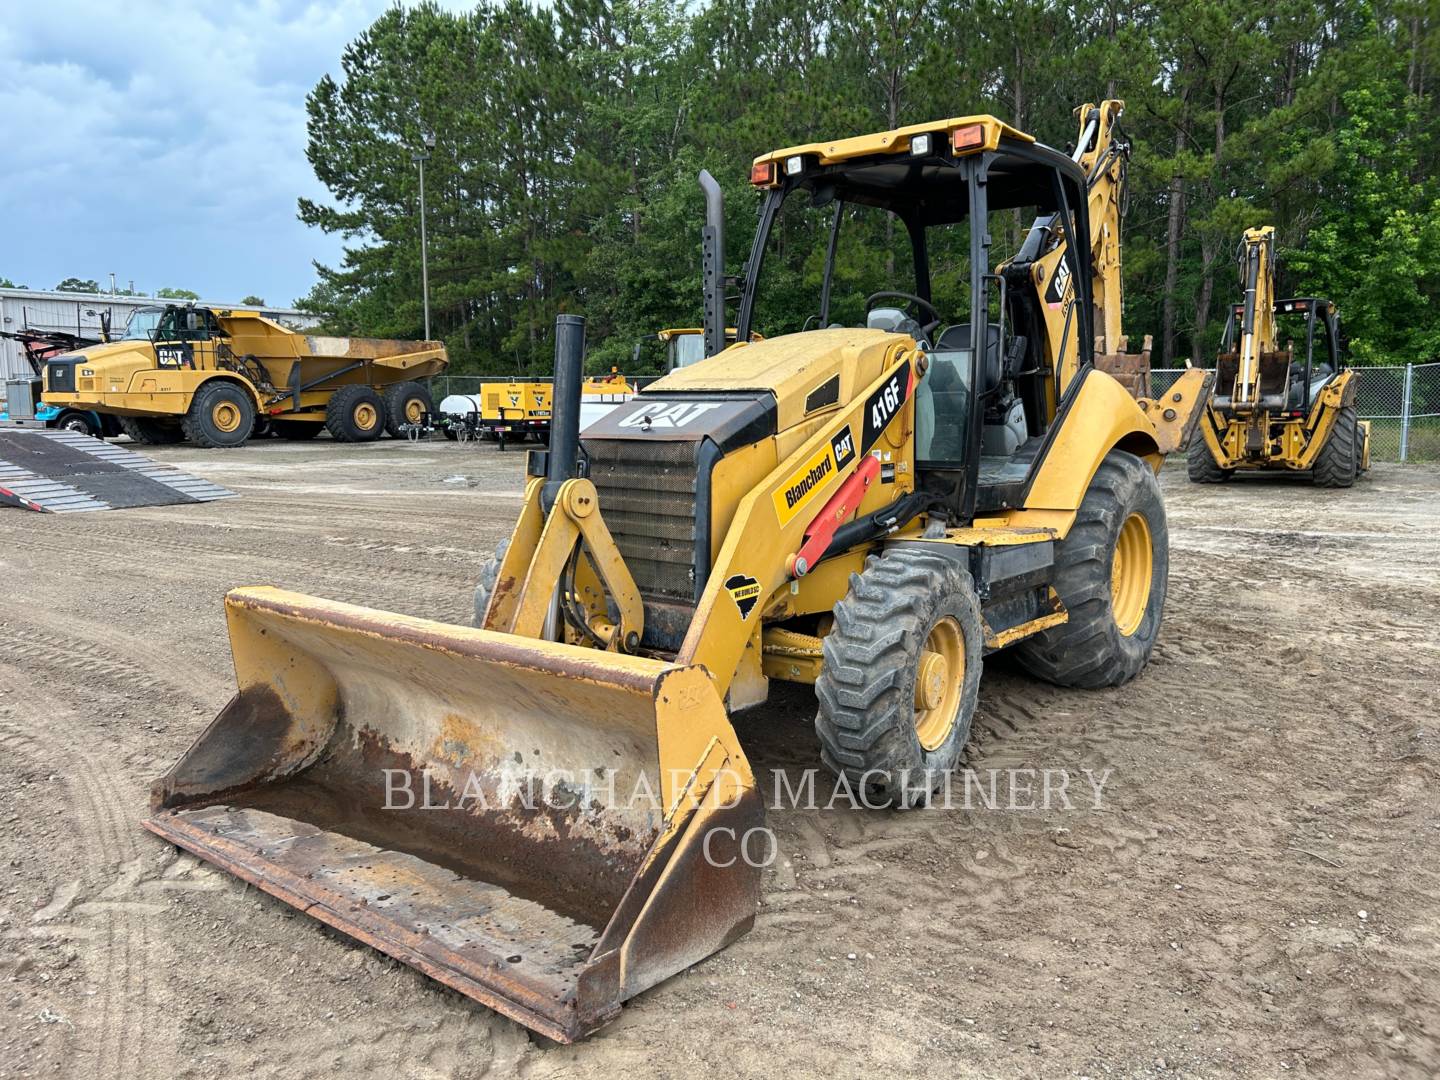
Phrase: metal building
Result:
[83,313]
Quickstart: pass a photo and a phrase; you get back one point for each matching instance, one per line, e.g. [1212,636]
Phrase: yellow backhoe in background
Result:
[1271,411]
[551,811]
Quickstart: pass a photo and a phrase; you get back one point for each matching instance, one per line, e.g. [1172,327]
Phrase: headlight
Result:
[919,145]
[794,166]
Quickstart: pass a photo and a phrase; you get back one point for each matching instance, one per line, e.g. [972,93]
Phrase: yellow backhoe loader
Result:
[1271,411]
[551,812]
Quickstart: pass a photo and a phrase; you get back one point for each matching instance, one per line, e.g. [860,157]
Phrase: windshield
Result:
[686,349]
[142,324]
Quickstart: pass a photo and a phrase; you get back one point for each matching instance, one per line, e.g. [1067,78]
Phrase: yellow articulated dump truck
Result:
[215,377]
[551,811]
[1273,409]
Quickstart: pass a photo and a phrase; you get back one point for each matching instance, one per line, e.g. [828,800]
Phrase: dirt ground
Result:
[1257,895]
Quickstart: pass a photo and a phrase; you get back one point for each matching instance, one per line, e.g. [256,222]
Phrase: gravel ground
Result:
[1258,893]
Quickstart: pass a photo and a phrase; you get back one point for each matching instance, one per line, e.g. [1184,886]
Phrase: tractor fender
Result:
[1102,416]
[238,380]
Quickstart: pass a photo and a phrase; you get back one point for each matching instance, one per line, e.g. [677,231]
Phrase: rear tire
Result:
[297,430]
[406,403]
[355,414]
[1335,465]
[221,416]
[908,607]
[149,432]
[1200,464]
[1122,509]
[489,572]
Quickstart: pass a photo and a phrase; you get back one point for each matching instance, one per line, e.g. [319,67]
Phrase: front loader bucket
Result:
[546,828]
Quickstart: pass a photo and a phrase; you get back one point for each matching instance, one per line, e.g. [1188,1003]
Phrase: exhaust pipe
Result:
[563,458]
[712,264]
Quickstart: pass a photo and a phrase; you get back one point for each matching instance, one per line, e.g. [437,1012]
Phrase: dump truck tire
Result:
[1200,464]
[489,571]
[901,675]
[406,403]
[297,430]
[149,432]
[355,414]
[221,416]
[1335,465]
[1111,572]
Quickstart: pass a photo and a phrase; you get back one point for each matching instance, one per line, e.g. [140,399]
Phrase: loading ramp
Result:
[62,472]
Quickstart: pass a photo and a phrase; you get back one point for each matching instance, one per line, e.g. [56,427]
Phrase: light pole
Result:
[420,157]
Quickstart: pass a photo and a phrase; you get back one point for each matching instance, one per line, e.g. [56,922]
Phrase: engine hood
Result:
[807,374]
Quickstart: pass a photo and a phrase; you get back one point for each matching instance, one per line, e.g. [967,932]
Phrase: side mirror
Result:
[635,354]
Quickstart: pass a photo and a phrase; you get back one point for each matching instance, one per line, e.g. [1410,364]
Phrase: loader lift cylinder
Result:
[565,416]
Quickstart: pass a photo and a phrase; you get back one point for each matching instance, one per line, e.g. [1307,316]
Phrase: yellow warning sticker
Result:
[804,485]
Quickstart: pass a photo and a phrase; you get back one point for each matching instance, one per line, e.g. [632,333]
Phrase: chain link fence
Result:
[1402,404]
[442,386]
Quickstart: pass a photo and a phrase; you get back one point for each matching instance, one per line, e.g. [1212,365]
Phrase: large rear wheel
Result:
[901,675]
[1111,571]
[1200,463]
[355,414]
[406,403]
[1336,466]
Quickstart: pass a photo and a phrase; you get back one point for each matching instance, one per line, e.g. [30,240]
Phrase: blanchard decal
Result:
[842,444]
[175,356]
[1059,285]
[745,591]
[666,416]
[804,484]
[514,399]
[884,403]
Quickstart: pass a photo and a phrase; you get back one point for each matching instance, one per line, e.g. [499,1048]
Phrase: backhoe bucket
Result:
[546,828]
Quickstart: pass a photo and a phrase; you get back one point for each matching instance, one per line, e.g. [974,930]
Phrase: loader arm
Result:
[1257,318]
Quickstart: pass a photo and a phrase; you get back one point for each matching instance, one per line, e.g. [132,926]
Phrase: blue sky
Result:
[165,141]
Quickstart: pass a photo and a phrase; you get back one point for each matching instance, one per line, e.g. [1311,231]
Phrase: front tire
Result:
[1336,464]
[1200,464]
[901,675]
[355,414]
[406,403]
[221,416]
[1111,572]
[489,573]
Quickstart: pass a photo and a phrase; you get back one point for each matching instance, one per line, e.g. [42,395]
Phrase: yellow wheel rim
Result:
[226,416]
[1130,574]
[365,416]
[414,411]
[939,680]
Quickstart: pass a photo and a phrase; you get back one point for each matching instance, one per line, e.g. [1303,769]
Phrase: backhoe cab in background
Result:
[215,377]
[1271,410]
[937,473]
[684,345]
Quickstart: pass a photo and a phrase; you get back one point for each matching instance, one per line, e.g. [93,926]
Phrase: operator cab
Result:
[920,234]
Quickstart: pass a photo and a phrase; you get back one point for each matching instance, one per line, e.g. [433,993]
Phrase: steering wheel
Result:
[926,308]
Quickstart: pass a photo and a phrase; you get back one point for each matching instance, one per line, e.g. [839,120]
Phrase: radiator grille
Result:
[60,376]
[647,496]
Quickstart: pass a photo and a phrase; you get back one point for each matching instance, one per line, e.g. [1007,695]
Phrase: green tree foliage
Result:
[73,284]
[176,294]
[6,283]
[568,139]
[254,301]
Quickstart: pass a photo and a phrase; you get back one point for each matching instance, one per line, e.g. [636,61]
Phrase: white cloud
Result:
[165,141]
